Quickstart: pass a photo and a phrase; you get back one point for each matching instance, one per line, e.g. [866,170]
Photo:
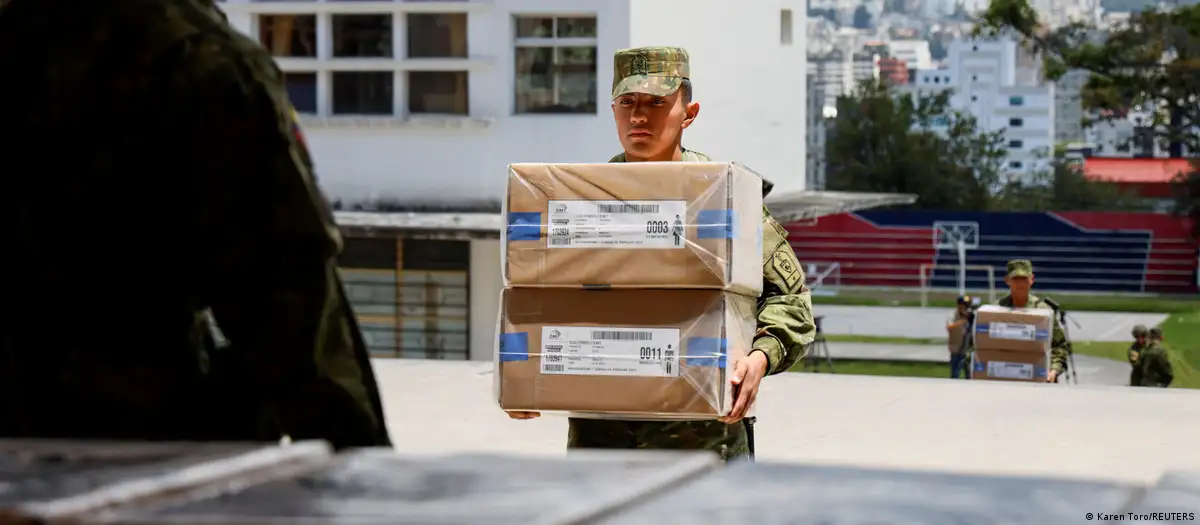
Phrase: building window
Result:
[301,90]
[556,65]
[288,35]
[435,299]
[1016,122]
[1015,144]
[1016,101]
[437,35]
[438,92]
[785,27]
[362,93]
[1016,165]
[362,36]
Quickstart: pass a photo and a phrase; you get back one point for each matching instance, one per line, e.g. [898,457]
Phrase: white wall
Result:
[485,297]
[750,86]
[756,118]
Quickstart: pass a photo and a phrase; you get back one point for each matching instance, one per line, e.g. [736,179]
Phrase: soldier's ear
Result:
[693,110]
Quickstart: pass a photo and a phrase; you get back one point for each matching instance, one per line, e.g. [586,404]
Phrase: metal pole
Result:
[962,268]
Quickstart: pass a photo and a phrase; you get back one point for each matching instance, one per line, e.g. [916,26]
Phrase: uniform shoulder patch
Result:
[785,268]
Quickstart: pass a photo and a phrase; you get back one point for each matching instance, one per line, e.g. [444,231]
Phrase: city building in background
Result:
[413,109]
[1002,87]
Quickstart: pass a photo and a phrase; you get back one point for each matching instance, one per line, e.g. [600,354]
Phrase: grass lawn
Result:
[1076,302]
[1182,333]
[1182,327]
[884,368]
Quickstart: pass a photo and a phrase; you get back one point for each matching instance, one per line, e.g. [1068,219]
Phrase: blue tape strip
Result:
[1041,335]
[514,347]
[524,225]
[715,224]
[706,351]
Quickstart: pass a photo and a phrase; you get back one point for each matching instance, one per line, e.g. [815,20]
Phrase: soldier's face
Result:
[1019,285]
[650,127]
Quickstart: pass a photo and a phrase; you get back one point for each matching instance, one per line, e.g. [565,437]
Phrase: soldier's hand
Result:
[1052,376]
[747,375]
[522,415]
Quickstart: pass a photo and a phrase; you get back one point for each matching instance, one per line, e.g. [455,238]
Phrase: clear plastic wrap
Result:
[634,225]
[621,354]
[1012,344]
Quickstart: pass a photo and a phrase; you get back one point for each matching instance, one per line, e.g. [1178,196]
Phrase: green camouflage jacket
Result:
[1060,348]
[1155,366]
[1135,369]
[785,328]
[158,176]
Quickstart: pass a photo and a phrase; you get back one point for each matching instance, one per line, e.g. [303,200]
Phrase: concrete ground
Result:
[1085,432]
[930,323]
[1090,370]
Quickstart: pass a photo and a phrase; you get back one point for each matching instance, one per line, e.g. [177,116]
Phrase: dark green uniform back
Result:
[153,172]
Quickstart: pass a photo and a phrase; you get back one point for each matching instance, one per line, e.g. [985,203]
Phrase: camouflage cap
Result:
[657,71]
[1140,331]
[1156,332]
[1020,268]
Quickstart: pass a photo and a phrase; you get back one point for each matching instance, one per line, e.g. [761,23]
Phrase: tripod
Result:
[1062,320]
[818,350]
[968,341]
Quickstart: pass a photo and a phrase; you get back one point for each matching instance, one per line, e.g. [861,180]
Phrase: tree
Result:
[1153,62]
[1187,198]
[883,142]
[862,17]
[1063,187]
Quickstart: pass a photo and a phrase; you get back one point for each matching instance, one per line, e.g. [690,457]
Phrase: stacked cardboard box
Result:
[630,289]
[1012,344]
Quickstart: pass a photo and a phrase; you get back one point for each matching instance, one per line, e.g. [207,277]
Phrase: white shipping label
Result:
[1006,370]
[617,224]
[604,351]
[1023,332]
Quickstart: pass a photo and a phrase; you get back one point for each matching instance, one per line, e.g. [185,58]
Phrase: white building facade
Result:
[997,84]
[420,105]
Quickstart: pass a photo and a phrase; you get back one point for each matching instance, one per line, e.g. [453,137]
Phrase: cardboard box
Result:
[1013,329]
[630,354]
[1006,365]
[634,225]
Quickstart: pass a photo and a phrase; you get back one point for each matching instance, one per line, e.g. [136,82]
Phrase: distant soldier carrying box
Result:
[1135,351]
[1019,279]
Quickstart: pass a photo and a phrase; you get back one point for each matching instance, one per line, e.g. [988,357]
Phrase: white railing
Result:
[825,281]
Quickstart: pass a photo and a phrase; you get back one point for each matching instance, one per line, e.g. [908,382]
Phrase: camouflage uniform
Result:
[785,318]
[1135,351]
[1155,363]
[157,177]
[1060,348]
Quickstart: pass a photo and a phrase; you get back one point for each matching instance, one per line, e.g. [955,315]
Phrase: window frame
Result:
[554,43]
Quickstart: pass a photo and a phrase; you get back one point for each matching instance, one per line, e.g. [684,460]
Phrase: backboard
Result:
[947,234]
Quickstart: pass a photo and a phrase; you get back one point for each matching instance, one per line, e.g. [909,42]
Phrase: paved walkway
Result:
[930,323]
[982,427]
[1090,370]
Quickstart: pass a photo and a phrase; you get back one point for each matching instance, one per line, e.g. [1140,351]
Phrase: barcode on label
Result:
[553,368]
[560,241]
[627,208]
[613,335]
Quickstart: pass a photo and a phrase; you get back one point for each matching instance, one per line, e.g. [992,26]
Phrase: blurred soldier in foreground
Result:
[955,327]
[154,176]
[652,105]
[1020,281]
[1135,351]
[1154,363]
